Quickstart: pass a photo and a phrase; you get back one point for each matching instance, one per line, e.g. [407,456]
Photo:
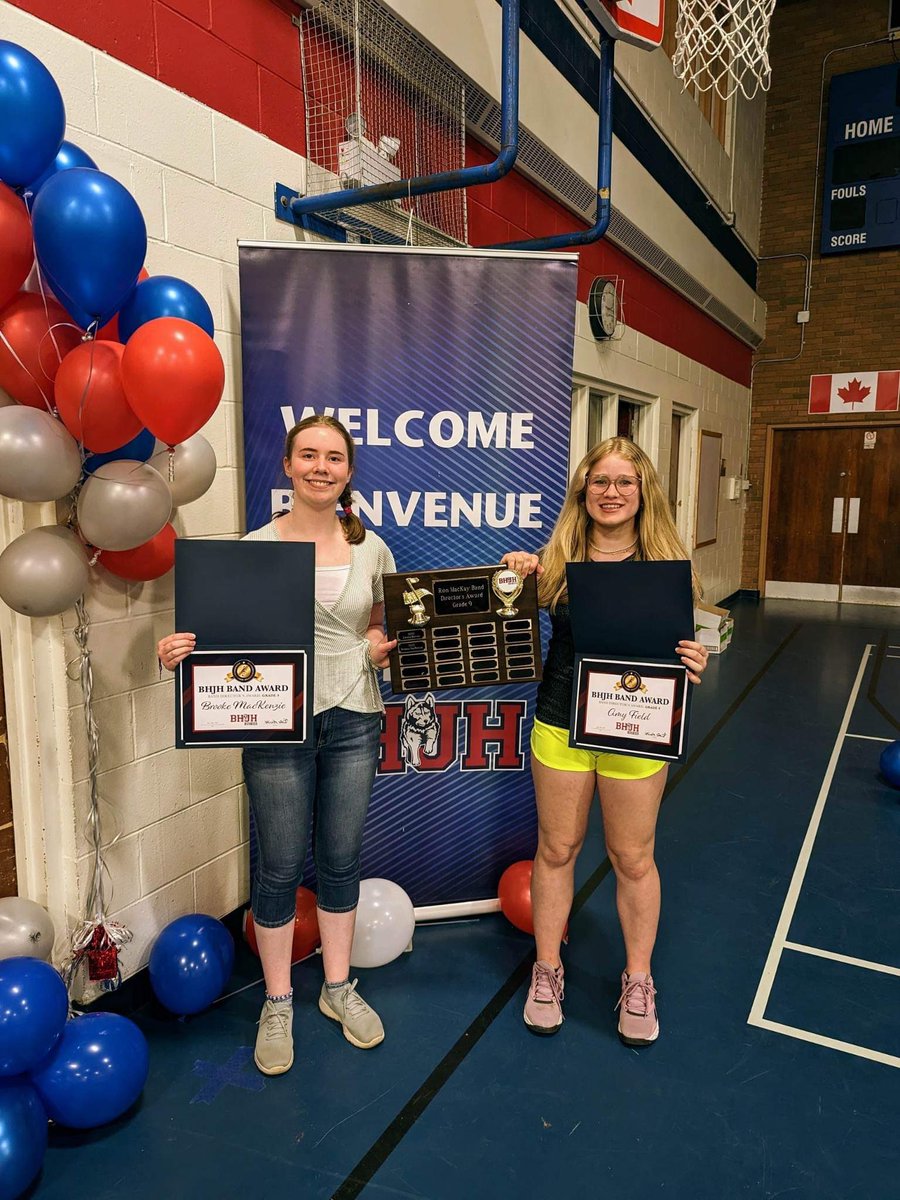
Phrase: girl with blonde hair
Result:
[614,511]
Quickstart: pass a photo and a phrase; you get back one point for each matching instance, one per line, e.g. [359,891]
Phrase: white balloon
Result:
[385,922]
[44,571]
[123,504]
[25,929]
[193,469]
[39,458]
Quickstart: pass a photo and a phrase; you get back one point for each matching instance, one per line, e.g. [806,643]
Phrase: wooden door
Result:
[833,513]
[872,546]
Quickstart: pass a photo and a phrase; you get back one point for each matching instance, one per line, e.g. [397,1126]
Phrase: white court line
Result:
[818,1039]
[852,962]
[866,737]
[767,979]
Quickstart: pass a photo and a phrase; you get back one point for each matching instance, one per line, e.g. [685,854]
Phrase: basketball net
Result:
[723,45]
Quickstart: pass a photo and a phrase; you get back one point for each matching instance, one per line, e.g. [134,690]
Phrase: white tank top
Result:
[330,582]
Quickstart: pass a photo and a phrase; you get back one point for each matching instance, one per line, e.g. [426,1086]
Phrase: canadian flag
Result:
[855,391]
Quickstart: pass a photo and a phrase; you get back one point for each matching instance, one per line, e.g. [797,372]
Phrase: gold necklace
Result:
[620,550]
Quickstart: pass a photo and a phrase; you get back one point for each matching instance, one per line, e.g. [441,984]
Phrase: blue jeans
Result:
[328,783]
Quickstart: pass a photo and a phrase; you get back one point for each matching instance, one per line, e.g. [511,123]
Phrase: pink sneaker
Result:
[638,1023]
[543,1008]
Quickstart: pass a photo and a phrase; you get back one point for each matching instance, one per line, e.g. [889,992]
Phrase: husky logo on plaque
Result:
[631,682]
[414,598]
[507,587]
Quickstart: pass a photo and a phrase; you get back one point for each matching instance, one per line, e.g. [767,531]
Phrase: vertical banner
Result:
[452,370]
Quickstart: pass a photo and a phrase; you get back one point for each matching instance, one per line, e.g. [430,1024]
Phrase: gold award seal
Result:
[507,586]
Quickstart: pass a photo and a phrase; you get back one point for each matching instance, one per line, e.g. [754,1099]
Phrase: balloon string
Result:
[43,291]
[6,343]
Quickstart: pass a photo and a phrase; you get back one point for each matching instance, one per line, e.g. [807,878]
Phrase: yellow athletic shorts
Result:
[550,746]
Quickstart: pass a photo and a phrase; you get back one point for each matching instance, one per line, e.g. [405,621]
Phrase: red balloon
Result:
[514,891]
[306,927]
[110,331]
[150,560]
[174,376]
[90,397]
[25,326]
[16,245]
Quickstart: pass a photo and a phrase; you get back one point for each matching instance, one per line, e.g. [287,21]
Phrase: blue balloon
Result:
[190,963]
[138,449]
[96,1071]
[890,764]
[163,296]
[91,240]
[34,1005]
[23,1136]
[32,115]
[67,156]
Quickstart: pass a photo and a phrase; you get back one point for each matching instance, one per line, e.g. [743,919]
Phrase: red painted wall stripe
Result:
[242,58]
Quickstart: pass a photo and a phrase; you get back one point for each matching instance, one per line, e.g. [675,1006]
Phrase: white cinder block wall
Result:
[175,822]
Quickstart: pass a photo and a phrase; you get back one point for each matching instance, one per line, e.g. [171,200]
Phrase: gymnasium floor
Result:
[778,851]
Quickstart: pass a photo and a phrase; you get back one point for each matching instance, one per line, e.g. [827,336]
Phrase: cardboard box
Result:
[713,626]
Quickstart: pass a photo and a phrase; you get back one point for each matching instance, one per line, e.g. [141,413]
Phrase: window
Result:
[629,420]
[711,104]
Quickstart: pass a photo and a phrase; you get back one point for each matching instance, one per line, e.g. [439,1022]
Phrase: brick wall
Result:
[855,298]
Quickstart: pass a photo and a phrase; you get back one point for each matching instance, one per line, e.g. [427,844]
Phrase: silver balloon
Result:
[44,571]
[39,458]
[194,465]
[123,504]
[385,923]
[25,929]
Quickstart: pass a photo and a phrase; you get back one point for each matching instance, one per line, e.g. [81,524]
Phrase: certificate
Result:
[462,627]
[243,697]
[638,707]
[630,694]
[249,681]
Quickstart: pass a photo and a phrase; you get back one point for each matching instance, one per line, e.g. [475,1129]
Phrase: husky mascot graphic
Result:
[419,729]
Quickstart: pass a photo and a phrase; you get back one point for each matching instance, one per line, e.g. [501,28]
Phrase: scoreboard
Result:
[861,201]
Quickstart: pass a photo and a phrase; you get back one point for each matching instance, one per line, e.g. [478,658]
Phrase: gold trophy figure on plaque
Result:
[414,598]
[507,586]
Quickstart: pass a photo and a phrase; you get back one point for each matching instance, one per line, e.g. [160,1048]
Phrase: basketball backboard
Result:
[640,22]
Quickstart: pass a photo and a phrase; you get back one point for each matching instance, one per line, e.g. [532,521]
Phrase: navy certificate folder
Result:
[235,595]
[630,609]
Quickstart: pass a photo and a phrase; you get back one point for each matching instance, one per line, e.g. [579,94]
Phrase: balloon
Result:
[91,240]
[32,115]
[194,469]
[27,327]
[95,1072]
[25,929]
[163,296]
[122,505]
[190,963]
[139,448]
[889,763]
[90,397]
[515,895]
[39,460]
[306,927]
[44,571]
[34,1005]
[174,375]
[67,156]
[16,249]
[23,1136]
[6,400]
[149,561]
[385,921]
[110,331]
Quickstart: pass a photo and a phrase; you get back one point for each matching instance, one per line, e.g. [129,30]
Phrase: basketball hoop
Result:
[723,45]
